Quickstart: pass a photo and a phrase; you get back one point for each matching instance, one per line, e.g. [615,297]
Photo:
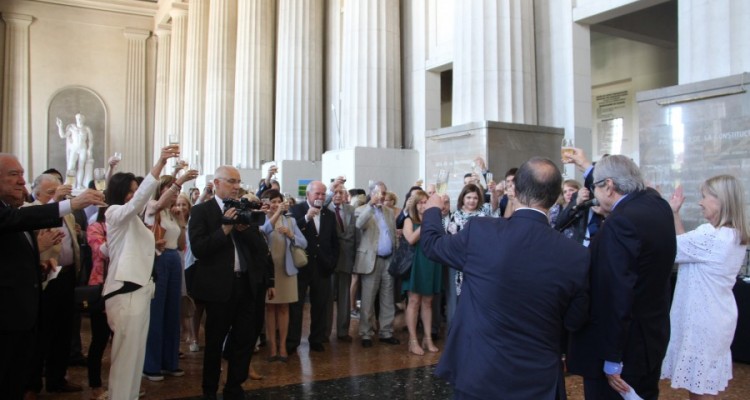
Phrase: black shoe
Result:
[79,361]
[366,343]
[291,350]
[317,347]
[209,396]
[390,340]
[347,339]
[435,337]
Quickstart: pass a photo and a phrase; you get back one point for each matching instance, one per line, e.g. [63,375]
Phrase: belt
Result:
[240,274]
[384,256]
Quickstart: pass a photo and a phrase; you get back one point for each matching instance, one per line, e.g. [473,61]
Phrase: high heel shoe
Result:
[414,347]
[429,346]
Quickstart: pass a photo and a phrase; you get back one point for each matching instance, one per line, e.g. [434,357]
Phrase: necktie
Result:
[338,218]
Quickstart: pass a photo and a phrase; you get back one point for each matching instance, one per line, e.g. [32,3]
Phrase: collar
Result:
[533,209]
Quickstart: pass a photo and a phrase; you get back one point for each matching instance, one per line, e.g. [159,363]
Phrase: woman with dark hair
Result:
[129,285]
[96,235]
[163,344]
[281,232]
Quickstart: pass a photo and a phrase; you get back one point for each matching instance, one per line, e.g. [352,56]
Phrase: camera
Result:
[248,212]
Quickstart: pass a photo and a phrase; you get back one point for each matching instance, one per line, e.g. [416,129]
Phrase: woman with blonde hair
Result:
[704,313]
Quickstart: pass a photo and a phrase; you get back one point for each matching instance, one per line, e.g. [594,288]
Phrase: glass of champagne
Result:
[566,152]
[118,156]
[100,179]
[173,140]
[70,177]
[441,185]
[195,163]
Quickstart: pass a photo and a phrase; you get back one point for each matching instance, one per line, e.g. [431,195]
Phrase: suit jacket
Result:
[367,251]
[524,283]
[20,277]
[322,247]
[215,252]
[631,262]
[348,237]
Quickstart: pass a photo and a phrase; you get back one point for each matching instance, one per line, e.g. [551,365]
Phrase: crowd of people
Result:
[524,276]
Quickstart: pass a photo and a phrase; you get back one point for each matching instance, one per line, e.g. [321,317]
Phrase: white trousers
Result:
[128,316]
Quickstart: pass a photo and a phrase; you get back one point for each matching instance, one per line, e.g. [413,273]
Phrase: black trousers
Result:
[17,349]
[646,384]
[100,334]
[55,332]
[241,317]
[319,284]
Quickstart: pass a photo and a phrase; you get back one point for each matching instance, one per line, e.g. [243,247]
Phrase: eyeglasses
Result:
[599,182]
[231,181]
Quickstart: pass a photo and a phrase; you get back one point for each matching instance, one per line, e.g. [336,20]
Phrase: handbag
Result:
[402,261]
[299,255]
[156,228]
[89,298]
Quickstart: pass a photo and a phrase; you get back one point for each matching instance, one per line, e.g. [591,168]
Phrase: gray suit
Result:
[373,270]
[343,276]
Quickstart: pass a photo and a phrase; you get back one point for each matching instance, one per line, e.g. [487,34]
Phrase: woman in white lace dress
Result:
[704,313]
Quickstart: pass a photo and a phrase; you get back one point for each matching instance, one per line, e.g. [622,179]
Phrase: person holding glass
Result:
[704,313]
[425,279]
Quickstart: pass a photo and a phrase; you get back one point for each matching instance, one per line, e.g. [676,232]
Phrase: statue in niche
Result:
[79,144]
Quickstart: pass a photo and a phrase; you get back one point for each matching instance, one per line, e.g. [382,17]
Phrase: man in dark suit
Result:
[318,224]
[524,283]
[234,274]
[21,273]
[623,345]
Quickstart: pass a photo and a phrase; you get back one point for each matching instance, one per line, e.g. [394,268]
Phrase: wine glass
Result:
[100,179]
[195,163]
[118,156]
[566,153]
[70,177]
[441,185]
[173,140]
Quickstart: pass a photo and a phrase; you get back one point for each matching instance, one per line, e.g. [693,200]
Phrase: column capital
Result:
[20,19]
[136,34]
[178,10]
[163,30]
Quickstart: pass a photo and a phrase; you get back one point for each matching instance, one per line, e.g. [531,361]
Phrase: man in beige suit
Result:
[378,229]
[57,308]
[346,230]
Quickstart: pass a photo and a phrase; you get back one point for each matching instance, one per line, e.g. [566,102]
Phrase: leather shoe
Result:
[67,387]
[291,350]
[366,343]
[209,396]
[317,347]
[390,340]
[346,338]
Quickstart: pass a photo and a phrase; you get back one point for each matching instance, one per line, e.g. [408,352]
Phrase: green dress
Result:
[426,276]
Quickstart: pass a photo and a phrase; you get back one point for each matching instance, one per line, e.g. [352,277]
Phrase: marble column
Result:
[134,136]
[163,35]
[252,141]
[494,74]
[16,128]
[371,74]
[195,81]
[713,39]
[222,30]
[299,81]
[176,86]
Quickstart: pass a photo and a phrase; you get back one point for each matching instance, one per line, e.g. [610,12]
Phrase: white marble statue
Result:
[79,145]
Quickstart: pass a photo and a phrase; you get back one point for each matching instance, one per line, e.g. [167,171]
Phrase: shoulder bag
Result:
[299,255]
[403,259]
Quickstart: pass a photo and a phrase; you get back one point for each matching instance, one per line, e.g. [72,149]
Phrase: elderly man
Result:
[632,255]
[233,277]
[20,272]
[376,246]
[505,340]
[318,224]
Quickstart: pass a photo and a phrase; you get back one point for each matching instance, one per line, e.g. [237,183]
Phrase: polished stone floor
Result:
[347,371]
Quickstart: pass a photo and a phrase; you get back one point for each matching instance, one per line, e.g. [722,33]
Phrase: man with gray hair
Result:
[622,347]
[377,243]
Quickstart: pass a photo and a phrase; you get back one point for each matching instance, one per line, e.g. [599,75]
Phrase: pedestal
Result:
[397,168]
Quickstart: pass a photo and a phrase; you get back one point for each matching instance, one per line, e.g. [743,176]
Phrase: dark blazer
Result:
[524,283]
[20,275]
[322,247]
[214,253]
[631,262]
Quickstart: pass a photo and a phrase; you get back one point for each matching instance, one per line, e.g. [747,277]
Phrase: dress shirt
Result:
[316,219]
[66,247]
[384,240]
[237,265]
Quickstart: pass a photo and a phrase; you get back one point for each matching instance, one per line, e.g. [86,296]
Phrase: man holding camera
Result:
[234,274]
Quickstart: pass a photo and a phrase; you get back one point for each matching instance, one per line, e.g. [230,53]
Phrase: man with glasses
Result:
[622,347]
[233,277]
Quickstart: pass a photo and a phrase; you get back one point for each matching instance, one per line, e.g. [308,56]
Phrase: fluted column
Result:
[371,74]
[494,74]
[134,137]
[16,130]
[163,35]
[222,29]
[713,39]
[195,80]
[176,87]
[253,102]
[299,81]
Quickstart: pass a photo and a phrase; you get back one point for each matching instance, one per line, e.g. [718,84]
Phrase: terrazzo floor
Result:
[346,371]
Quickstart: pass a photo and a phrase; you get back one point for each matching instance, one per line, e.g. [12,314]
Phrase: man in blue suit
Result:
[524,283]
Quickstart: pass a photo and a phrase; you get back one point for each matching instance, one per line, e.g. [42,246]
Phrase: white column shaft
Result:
[176,87]
[253,105]
[195,81]
[222,29]
[163,45]
[134,137]
[299,81]
[371,74]
[16,129]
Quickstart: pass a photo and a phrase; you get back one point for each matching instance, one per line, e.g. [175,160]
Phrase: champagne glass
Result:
[100,180]
[70,177]
[173,140]
[118,156]
[441,185]
[195,163]
[566,152]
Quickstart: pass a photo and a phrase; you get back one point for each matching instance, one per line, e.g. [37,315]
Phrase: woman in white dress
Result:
[704,313]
